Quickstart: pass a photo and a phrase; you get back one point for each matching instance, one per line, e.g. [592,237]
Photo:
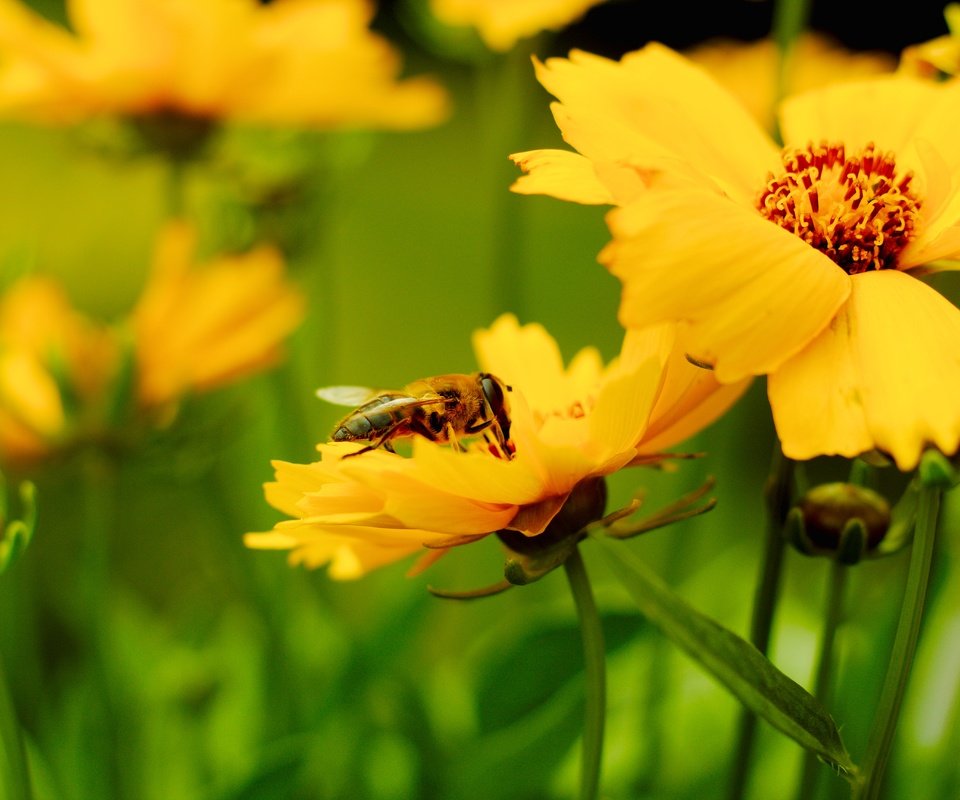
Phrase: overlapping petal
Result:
[654,108]
[865,383]
[745,311]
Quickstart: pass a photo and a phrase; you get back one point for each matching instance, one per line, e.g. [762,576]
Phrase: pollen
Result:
[856,209]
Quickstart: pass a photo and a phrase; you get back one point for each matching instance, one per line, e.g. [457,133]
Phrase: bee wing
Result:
[347,395]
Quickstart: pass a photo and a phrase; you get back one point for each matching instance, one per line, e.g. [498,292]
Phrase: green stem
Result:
[778,495]
[99,496]
[594,654]
[821,685]
[175,191]
[14,773]
[504,110]
[904,647]
[789,21]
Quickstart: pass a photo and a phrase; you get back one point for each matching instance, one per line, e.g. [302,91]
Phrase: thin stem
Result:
[594,654]
[789,21]
[175,191]
[99,495]
[822,682]
[904,647]
[14,773]
[778,495]
[504,113]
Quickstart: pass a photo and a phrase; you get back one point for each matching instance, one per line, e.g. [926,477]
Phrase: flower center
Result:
[854,209]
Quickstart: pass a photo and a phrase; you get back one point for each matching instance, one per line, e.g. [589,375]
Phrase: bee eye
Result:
[493,393]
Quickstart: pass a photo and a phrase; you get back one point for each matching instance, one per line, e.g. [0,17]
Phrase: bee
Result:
[442,409]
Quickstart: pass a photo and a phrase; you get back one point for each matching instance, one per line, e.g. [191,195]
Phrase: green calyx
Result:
[529,558]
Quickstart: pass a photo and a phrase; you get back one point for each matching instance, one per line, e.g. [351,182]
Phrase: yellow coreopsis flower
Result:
[313,63]
[939,58]
[749,70]
[568,425]
[197,328]
[501,23]
[800,263]
[54,367]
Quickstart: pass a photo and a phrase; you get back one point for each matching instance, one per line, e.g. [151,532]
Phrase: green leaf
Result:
[14,776]
[738,665]
[538,666]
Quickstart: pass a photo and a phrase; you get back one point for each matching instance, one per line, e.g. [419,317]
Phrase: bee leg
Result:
[359,452]
[502,444]
[383,441]
[452,438]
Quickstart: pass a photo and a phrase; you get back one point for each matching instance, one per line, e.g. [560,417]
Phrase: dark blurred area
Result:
[614,28]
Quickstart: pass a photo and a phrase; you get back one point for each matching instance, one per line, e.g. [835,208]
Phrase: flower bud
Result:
[841,520]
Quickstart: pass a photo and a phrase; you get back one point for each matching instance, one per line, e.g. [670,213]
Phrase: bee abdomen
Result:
[359,427]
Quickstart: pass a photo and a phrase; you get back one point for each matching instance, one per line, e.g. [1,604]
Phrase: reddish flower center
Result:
[854,209]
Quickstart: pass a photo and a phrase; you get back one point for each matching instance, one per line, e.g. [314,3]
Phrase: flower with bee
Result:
[566,426]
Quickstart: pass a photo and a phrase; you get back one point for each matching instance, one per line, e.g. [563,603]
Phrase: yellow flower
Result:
[197,328]
[501,23]
[568,425]
[290,62]
[748,70]
[53,365]
[800,264]
[938,58]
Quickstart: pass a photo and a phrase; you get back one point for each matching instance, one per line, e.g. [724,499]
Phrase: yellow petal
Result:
[749,70]
[750,293]
[561,174]
[690,397]
[654,107]
[501,23]
[885,375]
[528,358]
[620,416]
[891,111]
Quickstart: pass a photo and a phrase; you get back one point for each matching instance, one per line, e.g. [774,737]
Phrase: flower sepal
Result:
[615,526]
[529,558]
[936,471]
[180,137]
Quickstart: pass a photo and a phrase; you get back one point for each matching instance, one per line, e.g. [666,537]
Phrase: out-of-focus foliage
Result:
[151,656]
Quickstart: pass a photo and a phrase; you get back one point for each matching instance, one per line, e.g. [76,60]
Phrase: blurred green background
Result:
[170,662]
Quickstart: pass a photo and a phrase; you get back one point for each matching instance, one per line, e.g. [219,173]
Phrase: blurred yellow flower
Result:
[197,328]
[748,70]
[939,58]
[290,62]
[54,366]
[501,23]
[801,265]
[569,424]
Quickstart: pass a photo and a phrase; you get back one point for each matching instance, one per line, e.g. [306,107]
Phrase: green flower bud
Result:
[840,520]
